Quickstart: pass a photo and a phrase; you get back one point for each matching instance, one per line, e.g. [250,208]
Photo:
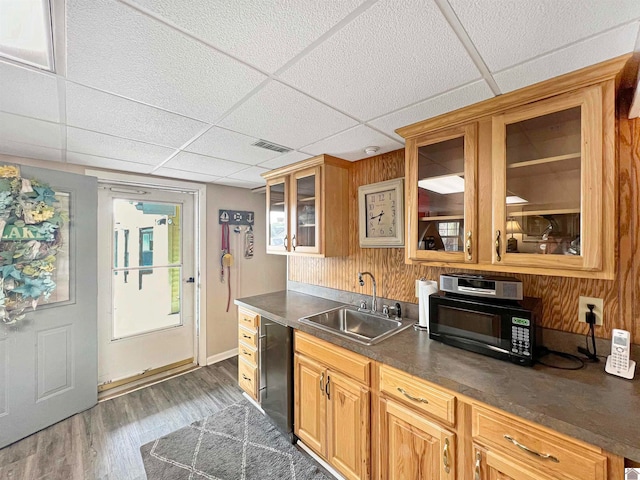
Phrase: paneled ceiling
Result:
[183,88]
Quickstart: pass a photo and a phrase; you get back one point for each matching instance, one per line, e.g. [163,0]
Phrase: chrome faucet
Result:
[374,305]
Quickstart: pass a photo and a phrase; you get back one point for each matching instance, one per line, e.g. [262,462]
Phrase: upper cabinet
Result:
[521,183]
[307,208]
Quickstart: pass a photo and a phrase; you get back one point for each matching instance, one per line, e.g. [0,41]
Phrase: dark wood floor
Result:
[104,442]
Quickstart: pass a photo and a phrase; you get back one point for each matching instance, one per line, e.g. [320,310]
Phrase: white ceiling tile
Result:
[115,48]
[183,175]
[250,175]
[286,159]
[264,34]
[285,116]
[582,54]
[229,145]
[102,112]
[350,144]
[110,163]
[507,32]
[101,145]
[30,151]
[232,182]
[29,92]
[16,128]
[447,102]
[394,54]
[192,162]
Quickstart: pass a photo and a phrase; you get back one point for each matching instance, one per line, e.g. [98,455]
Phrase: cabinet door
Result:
[412,447]
[441,196]
[490,465]
[305,211]
[278,236]
[548,183]
[310,404]
[348,419]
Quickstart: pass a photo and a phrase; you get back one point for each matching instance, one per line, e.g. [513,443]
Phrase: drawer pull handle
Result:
[245,352]
[445,456]
[245,336]
[498,257]
[246,378]
[322,383]
[411,397]
[468,245]
[546,456]
[477,467]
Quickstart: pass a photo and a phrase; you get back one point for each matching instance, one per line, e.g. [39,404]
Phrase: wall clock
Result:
[381,214]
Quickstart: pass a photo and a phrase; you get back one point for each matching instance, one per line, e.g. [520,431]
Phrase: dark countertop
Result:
[586,404]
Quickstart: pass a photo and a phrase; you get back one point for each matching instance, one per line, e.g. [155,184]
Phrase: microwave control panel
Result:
[520,336]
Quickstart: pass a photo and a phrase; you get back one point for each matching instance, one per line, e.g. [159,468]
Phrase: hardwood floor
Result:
[104,442]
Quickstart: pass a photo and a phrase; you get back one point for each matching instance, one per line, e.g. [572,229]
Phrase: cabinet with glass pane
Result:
[307,210]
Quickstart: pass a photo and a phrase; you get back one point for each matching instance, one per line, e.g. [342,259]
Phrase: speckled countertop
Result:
[587,404]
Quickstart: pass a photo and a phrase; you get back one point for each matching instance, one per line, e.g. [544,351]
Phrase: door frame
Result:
[200,252]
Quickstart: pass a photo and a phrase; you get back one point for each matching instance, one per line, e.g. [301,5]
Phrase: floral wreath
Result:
[30,238]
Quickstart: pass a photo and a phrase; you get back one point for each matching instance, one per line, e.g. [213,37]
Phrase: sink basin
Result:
[362,327]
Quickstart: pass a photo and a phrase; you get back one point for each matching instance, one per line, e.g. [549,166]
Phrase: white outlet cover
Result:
[583,309]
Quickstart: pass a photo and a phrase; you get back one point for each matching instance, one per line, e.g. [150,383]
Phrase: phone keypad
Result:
[520,341]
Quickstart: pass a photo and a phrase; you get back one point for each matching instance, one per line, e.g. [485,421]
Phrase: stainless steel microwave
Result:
[502,329]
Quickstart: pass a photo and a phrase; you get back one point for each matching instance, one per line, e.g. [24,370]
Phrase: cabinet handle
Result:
[326,387]
[469,245]
[245,352]
[498,245]
[322,383]
[411,397]
[293,242]
[545,456]
[246,336]
[286,242]
[477,467]
[246,378]
[445,456]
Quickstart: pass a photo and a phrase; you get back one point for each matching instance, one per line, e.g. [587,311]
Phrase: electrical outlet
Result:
[583,309]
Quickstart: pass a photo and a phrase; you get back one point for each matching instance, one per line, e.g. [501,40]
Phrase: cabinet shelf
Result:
[307,199]
[538,213]
[540,161]
[442,218]
[277,204]
[307,225]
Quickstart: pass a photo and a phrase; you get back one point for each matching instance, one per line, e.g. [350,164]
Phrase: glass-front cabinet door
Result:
[278,237]
[547,183]
[305,211]
[441,196]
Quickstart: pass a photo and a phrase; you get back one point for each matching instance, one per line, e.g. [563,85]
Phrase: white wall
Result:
[261,274]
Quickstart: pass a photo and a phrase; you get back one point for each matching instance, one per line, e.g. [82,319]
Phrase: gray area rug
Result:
[236,443]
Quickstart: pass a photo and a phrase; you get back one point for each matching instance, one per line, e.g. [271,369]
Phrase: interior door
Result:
[48,360]
[147,288]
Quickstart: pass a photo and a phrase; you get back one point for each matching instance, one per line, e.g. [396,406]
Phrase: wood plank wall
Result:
[560,295]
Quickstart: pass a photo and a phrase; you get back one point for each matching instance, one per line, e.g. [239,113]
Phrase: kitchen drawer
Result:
[248,354]
[337,358]
[418,393]
[250,337]
[549,452]
[248,319]
[248,378]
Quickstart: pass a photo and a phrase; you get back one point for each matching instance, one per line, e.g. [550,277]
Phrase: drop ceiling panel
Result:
[232,182]
[447,102]
[183,175]
[192,162]
[16,128]
[109,163]
[350,144]
[229,145]
[280,114]
[28,92]
[115,48]
[574,57]
[510,32]
[101,145]
[30,151]
[393,55]
[286,159]
[250,175]
[102,112]
[264,34]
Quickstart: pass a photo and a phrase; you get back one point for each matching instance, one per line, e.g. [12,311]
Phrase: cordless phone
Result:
[618,363]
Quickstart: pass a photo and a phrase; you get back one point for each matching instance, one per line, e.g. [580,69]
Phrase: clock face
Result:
[381,214]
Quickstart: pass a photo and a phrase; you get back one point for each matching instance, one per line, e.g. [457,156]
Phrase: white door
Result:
[146,291]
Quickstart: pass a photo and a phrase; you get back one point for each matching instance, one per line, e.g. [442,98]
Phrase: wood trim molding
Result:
[310,162]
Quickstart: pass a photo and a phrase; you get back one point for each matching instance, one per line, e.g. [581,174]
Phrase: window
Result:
[451,234]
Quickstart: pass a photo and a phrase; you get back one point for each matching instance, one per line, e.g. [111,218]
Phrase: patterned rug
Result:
[236,443]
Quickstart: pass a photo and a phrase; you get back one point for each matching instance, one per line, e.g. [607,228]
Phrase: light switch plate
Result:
[583,309]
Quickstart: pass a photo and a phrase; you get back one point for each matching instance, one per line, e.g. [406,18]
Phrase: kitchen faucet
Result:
[374,306]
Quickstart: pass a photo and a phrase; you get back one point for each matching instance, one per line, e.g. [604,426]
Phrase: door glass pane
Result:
[277,219]
[544,184]
[306,211]
[147,269]
[441,196]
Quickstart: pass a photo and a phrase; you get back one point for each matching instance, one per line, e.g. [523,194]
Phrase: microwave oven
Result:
[503,329]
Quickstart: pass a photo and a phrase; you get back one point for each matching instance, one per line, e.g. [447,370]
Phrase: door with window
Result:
[147,288]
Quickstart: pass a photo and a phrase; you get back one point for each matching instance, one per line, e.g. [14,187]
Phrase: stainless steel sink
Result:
[362,327]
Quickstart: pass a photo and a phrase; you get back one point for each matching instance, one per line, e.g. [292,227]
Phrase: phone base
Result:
[609,368]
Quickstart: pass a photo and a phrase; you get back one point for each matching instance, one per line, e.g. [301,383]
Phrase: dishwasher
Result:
[276,374]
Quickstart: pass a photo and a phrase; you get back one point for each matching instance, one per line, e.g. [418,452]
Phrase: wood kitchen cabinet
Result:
[248,361]
[332,404]
[522,183]
[307,210]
